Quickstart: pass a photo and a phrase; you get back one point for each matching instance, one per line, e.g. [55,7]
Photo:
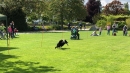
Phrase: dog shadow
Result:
[76,39]
[64,48]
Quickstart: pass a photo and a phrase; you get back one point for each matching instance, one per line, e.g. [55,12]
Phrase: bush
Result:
[121,24]
[101,23]
[56,27]
[128,22]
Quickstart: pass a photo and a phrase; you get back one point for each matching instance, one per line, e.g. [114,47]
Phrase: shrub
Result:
[101,23]
[121,24]
[56,27]
[128,22]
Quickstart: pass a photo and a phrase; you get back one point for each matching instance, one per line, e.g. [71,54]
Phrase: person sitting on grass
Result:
[94,34]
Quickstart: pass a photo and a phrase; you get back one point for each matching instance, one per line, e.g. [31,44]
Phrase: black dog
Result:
[61,43]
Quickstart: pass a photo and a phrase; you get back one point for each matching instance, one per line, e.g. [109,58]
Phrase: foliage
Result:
[93,8]
[32,17]
[126,5]
[20,9]
[121,24]
[56,27]
[128,22]
[101,23]
[110,19]
[66,10]
[114,8]
[96,18]
[17,15]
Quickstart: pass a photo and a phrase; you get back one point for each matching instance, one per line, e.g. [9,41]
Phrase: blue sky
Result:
[104,2]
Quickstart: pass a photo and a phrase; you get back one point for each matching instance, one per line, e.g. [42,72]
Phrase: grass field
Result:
[35,53]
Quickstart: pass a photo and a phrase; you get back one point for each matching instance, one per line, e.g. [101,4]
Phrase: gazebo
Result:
[4,17]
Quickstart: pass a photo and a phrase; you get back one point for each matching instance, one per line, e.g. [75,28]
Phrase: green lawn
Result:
[36,53]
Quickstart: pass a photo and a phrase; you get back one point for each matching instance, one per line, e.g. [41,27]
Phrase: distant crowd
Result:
[114,30]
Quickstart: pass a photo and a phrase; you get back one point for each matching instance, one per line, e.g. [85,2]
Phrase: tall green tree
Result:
[33,7]
[67,10]
[126,8]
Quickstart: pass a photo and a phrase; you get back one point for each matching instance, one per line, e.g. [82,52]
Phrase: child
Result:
[10,31]
[15,31]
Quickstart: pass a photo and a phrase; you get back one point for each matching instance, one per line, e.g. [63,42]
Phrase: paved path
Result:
[51,31]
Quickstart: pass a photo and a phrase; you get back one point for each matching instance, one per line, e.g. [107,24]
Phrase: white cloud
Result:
[103,3]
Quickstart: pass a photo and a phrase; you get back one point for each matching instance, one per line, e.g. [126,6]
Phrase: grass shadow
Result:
[76,39]
[7,48]
[25,67]
[4,57]
[16,37]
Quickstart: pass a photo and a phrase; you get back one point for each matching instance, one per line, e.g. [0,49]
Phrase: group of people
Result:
[11,31]
[114,30]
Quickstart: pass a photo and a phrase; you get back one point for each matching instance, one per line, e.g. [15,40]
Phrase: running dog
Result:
[61,43]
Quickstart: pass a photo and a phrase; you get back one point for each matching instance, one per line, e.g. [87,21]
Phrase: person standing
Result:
[108,29]
[69,26]
[77,32]
[100,30]
[12,27]
[80,25]
[125,30]
[10,31]
[113,28]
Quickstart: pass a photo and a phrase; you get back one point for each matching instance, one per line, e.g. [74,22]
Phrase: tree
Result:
[18,11]
[126,8]
[33,7]
[128,22]
[66,10]
[14,13]
[93,8]
[126,5]
[114,8]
